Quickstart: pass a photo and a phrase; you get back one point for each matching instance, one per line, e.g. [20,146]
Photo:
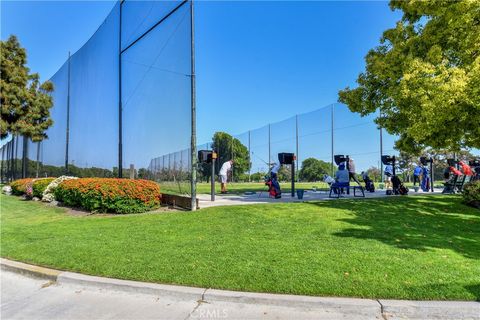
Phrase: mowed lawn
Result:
[242,187]
[422,247]
[236,187]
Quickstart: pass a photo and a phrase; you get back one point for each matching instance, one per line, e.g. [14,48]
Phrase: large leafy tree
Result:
[313,169]
[25,102]
[227,148]
[13,83]
[425,76]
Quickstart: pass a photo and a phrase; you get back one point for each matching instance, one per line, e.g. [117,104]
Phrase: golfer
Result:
[351,171]
[417,172]
[274,175]
[223,175]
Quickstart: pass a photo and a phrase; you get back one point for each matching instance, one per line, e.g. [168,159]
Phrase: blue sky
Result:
[257,62]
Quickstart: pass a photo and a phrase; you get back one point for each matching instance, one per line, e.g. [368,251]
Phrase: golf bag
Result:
[369,186]
[398,187]
[273,188]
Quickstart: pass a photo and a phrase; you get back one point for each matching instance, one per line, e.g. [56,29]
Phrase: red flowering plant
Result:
[19,187]
[109,195]
[31,187]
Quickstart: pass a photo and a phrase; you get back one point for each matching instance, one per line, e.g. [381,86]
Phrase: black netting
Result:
[53,149]
[122,100]
[156,98]
[94,87]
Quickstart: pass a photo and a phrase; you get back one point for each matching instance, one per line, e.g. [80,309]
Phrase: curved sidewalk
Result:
[208,301]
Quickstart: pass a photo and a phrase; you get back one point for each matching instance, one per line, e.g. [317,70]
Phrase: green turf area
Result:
[237,187]
[242,187]
[422,247]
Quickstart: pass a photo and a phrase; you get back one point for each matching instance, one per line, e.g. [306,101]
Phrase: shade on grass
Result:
[422,247]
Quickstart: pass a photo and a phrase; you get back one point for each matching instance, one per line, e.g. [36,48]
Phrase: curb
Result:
[361,307]
[29,270]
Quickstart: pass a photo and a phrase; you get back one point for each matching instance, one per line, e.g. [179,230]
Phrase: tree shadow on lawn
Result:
[418,223]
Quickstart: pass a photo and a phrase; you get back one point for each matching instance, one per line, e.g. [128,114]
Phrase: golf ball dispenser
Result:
[289,158]
[425,161]
[340,158]
[209,156]
[389,160]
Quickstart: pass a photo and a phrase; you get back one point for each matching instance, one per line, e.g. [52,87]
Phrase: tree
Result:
[374,173]
[313,169]
[258,176]
[284,174]
[407,163]
[36,116]
[13,84]
[425,76]
[25,103]
[227,148]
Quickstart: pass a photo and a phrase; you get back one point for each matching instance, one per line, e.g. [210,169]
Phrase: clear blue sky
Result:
[257,62]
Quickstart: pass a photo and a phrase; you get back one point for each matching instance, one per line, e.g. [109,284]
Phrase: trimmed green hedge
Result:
[39,185]
[471,193]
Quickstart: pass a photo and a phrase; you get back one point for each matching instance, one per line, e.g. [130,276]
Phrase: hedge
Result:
[109,195]
[471,193]
[31,187]
[20,186]
[39,185]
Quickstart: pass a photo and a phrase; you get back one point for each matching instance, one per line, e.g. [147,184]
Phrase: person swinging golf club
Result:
[223,174]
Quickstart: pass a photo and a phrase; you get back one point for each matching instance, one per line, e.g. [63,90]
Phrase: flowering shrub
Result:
[19,187]
[39,185]
[48,195]
[30,187]
[471,193]
[109,195]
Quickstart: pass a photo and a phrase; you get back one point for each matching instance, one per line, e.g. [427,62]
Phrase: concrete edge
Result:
[408,308]
[361,306]
[131,286]
[29,270]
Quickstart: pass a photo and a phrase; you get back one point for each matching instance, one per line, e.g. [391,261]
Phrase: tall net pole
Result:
[332,138]
[269,148]
[381,149]
[249,159]
[67,138]
[296,141]
[193,144]
[120,115]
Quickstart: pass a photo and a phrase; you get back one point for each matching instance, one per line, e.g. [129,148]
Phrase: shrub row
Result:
[39,185]
[30,187]
[19,187]
[109,195]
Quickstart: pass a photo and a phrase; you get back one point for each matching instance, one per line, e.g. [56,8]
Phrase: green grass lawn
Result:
[236,187]
[422,247]
[242,187]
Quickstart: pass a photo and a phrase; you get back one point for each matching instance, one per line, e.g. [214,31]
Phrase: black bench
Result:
[337,187]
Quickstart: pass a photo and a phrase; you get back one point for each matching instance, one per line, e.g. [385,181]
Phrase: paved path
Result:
[27,298]
[262,197]
[65,295]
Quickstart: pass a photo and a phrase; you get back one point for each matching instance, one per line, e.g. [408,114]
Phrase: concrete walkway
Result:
[30,292]
[262,197]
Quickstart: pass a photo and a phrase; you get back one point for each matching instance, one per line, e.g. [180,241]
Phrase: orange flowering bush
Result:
[109,195]
[21,186]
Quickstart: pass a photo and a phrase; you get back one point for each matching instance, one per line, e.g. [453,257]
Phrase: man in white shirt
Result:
[223,175]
